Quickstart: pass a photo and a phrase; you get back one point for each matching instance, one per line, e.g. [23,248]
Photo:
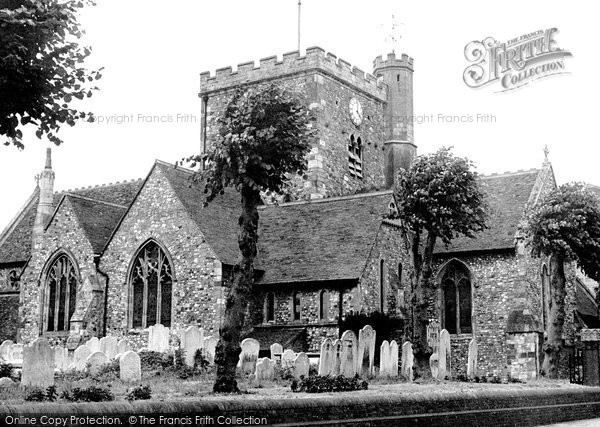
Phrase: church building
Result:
[118,258]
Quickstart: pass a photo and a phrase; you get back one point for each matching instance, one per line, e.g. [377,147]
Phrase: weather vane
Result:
[392,34]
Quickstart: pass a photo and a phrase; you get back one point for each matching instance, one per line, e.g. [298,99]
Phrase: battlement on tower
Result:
[404,61]
[292,63]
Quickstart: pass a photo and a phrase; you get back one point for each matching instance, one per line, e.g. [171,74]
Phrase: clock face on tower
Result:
[356,113]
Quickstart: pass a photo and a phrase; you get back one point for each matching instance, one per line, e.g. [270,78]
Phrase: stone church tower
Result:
[364,121]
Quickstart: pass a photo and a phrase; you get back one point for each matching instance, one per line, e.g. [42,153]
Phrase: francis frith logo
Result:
[514,63]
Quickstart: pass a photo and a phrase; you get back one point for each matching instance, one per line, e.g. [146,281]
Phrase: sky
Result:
[153,53]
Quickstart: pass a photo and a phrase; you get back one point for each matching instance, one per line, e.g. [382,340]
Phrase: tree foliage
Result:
[438,197]
[264,136]
[41,69]
[567,222]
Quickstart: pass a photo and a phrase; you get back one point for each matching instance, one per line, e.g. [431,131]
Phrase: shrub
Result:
[88,394]
[51,393]
[285,373]
[72,375]
[35,395]
[319,384]
[109,371]
[200,362]
[154,360]
[6,370]
[141,392]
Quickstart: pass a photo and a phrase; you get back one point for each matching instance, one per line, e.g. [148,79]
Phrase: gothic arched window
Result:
[61,292]
[546,300]
[270,307]
[382,286]
[323,305]
[296,306]
[456,288]
[355,157]
[151,286]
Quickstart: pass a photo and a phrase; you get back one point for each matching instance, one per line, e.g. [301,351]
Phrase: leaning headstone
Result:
[61,358]
[394,358]
[276,350]
[385,359]
[366,350]
[5,349]
[407,361]
[123,346]
[287,359]
[93,344]
[15,353]
[80,357]
[130,368]
[434,365]
[210,348]
[192,339]
[472,360]
[444,355]
[249,355]
[349,366]
[109,346]
[95,361]
[326,357]
[158,338]
[38,364]
[337,358]
[301,366]
[265,370]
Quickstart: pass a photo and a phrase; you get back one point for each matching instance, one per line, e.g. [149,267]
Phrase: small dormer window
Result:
[355,157]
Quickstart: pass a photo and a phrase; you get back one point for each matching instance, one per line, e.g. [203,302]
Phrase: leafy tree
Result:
[41,67]
[264,135]
[437,198]
[566,228]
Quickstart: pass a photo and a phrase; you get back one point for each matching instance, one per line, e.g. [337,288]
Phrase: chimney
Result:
[46,197]
[400,149]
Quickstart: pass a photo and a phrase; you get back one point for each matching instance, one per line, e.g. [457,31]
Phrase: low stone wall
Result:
[498,408]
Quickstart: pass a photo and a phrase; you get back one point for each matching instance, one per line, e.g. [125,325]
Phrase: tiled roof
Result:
[218,220]
[16,245]
[507,195]
[97,219]
[586,306]
[327,239]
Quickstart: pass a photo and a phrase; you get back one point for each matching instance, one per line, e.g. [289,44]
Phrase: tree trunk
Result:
[553,345]
[228,349]
[421,349]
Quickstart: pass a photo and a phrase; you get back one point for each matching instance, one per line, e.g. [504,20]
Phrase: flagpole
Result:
[299,8]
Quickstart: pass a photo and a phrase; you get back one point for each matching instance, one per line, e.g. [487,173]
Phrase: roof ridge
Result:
[14,222]
[78,196]
[91,187]
[509,173]
[175,166]
[331,199]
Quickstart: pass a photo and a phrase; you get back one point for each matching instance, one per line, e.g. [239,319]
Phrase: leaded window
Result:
[355,157]
[270,307]
[61,293]
[151,286]
[456,286]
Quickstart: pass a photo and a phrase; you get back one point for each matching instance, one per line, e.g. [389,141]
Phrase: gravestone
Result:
[265,370]
[6,382]
[95,361]
[93,344]
[15,354]
[349,366]
[109,346]
[276,350]
[5,349]
[61,358]
[385,359]
[287,358]
[249,355]
[210,347]
[433,335]
[394,358]
[407,361]
[444,355]
[472,360]
[301,366]
[130,368]
[326,357]
[366,350]
[38,364]
[192,339]
[80,357]
[434,365]
[158,338]
[336,363]
[123,347]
